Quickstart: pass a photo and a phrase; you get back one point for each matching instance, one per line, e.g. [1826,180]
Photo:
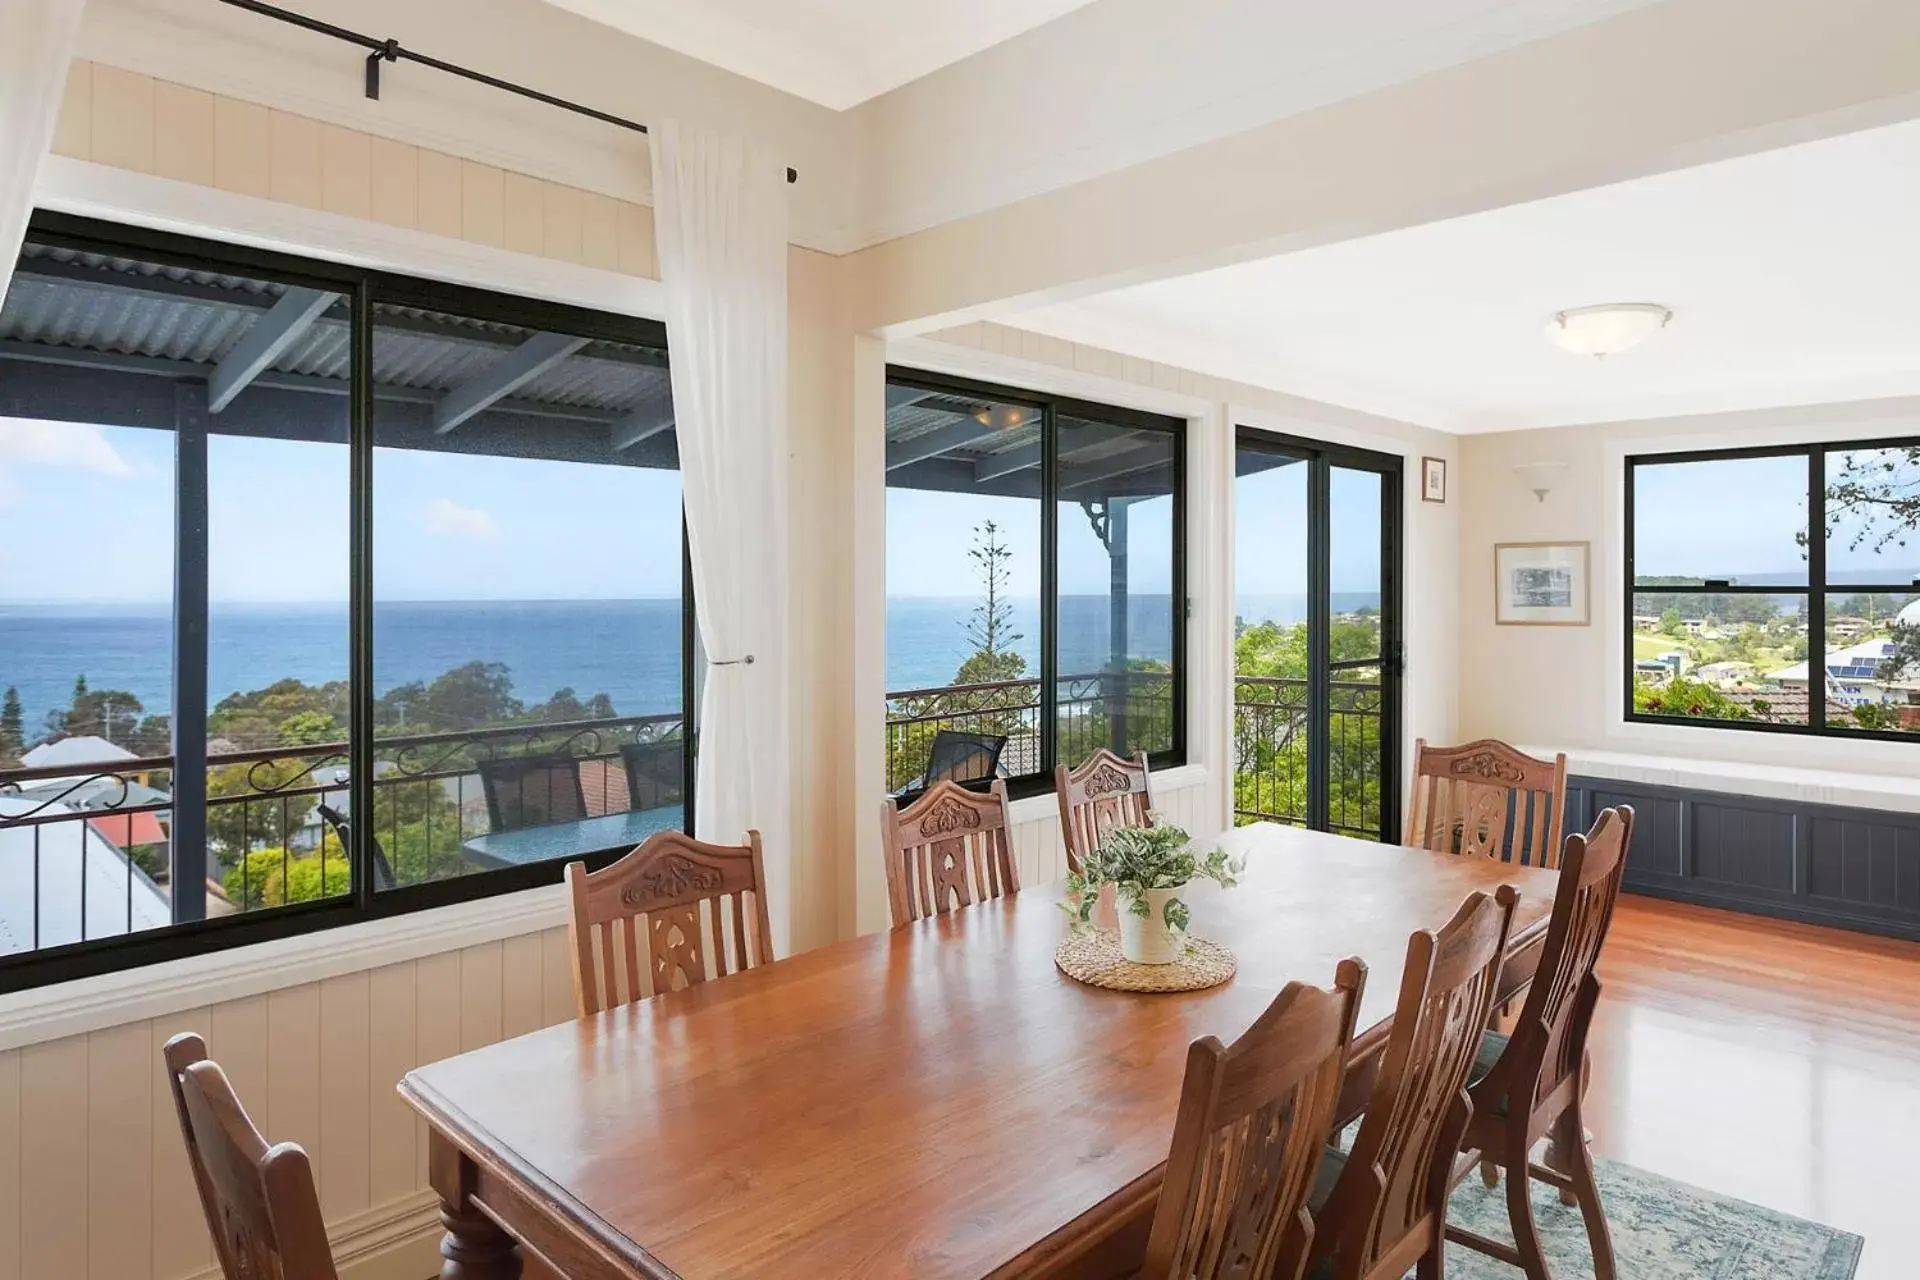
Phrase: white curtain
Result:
[720,217]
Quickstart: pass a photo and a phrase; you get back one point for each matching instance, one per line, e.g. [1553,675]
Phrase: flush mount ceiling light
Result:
[1004,417]
[1607,330]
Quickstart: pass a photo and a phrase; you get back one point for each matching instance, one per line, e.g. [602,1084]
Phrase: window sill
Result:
[1850,788]
[154,991]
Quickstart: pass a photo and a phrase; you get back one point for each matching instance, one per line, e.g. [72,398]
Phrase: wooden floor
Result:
[1775,1062]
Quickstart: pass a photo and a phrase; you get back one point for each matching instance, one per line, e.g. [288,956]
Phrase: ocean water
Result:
[627,649]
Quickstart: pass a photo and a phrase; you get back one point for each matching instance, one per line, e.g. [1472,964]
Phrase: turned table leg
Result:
[476,1249]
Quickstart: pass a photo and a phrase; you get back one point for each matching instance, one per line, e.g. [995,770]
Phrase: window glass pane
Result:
[1873,661]
[527,597]
[963,587]
[1270,723]
[1739,519]
[1116,608]
[85,643]
[1873,516]
[1721,656]
[278,700]
[1354,694]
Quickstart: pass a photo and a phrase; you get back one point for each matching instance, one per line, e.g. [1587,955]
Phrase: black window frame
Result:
[366,287]
[1051,408]
[1816,589]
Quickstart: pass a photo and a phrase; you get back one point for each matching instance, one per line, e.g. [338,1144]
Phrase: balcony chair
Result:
[1381,1207]
[1248,1138]
[1529,1084]
[261,1206]
[665,882]
[382,869]
[1487,799]
[656,773]
[962,756]
[948,849]
[532,791]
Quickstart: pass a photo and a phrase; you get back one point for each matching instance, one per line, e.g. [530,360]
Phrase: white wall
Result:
[213,47]
[1564,687]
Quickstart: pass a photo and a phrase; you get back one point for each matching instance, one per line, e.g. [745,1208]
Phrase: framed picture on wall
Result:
[1433,479]
[1541,584]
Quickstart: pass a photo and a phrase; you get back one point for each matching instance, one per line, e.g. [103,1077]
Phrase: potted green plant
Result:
[1147,867]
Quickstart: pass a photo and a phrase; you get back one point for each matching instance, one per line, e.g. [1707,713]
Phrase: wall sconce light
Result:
[1540,477]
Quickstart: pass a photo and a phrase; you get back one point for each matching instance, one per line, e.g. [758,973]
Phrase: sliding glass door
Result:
[1317,653]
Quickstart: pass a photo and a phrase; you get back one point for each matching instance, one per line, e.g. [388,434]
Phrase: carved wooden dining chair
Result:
[664,917]
[1104,792]
[1248,1138]
[1380,1208]
[1488,799]
[1530,1082]
[261,1206]
[950,848]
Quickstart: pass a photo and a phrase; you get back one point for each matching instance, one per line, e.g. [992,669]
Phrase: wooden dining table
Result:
[937,1101]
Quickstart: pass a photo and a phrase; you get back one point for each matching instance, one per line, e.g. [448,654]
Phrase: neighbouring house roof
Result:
[85,749]
[1855,662]
[1783,706]
[63,882]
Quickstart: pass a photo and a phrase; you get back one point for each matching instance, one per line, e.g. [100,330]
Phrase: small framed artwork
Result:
[1541,584]
[1433,479]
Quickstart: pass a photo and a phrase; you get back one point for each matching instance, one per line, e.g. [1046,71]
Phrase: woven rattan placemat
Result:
[1094,957]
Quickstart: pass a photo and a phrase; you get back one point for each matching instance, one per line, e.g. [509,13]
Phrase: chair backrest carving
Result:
[948,849]
[1549,1042]
[1248,1137]
[1388,1208]
[1106,791]
[261,1206]
[1487,799]
[671,913]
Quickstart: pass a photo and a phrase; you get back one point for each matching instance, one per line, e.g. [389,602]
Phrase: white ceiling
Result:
[1794,276]
[837,53]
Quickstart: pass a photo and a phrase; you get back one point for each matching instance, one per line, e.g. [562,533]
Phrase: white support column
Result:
[869,690]
[36,45]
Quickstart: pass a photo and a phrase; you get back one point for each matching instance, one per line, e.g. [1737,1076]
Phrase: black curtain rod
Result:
[391,51]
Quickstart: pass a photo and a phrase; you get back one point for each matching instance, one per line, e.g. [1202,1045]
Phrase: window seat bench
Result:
[1821,846]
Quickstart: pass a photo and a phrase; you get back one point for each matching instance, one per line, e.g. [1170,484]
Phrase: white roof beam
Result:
[956,435]
[526,362]
[645,421]
[265,342]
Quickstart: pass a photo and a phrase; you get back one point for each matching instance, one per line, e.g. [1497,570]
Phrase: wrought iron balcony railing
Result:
[84,848]
[1126,711]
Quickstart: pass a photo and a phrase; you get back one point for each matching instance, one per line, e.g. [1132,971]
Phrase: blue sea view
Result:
[627,649]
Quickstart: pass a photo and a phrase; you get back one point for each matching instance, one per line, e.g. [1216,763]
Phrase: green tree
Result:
[1671,622]
[990,627]
[474,695]
[565,706]
[12,732]
[1874,499]
[274,877]
[309,728]
[1689,699]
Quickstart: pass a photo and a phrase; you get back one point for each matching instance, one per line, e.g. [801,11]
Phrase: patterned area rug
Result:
[1662,1230]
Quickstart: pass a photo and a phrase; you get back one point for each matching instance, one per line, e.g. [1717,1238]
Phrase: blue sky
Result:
[1270,532]
[86,513]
